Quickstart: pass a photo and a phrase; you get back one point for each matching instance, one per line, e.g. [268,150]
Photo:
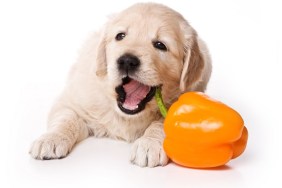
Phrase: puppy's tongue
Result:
[135,93]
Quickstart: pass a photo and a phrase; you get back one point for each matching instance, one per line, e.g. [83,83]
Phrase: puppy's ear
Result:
[193,63]
[101,58]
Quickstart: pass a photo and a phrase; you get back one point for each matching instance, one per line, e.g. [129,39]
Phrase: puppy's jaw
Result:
[133,96]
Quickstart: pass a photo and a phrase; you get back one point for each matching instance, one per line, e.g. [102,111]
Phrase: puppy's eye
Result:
[159,45]
[120,36]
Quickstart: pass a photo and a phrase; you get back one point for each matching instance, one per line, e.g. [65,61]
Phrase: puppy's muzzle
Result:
[128,63]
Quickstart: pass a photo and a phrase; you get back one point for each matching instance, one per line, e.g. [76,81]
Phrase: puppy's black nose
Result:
[128,63]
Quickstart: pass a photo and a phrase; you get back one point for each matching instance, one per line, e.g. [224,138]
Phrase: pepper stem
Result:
[160,102]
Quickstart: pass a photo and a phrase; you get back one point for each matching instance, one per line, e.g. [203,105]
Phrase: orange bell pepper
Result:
[202,132]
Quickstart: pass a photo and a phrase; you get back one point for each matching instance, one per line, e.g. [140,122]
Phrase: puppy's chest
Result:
[127,131]
[109,124]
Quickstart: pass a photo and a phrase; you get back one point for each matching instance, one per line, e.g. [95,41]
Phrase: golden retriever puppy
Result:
[110,90]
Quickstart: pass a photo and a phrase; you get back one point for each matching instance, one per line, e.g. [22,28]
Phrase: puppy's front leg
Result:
[65,128]
[148,149]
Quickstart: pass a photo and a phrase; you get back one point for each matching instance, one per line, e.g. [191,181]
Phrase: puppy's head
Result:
[144,47]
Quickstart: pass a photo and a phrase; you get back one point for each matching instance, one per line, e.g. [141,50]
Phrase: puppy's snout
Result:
[128,63]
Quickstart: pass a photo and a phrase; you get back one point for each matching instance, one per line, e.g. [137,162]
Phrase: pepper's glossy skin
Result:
[202,132]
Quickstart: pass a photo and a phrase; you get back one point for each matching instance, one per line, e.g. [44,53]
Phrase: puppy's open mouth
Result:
[133,96]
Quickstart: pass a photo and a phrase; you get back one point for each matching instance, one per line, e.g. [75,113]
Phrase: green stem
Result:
[160,102]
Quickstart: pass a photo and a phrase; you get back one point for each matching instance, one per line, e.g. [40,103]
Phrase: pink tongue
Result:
[135,93]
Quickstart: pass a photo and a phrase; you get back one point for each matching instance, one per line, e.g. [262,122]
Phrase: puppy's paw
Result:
[50,146]
[148,152]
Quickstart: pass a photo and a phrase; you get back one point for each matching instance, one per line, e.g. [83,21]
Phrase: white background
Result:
[39,41]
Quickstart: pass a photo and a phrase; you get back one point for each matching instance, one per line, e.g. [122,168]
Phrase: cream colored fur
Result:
[88,106]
